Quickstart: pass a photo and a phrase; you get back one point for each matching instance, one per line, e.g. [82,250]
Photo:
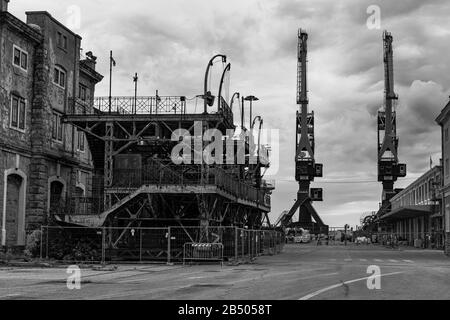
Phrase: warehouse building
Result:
[42,160]
[416,216]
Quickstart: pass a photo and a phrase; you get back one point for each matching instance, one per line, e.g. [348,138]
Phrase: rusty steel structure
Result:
[136,183]
[306,168]
[389,168]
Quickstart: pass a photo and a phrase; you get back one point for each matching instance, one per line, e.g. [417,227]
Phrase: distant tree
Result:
[368,223]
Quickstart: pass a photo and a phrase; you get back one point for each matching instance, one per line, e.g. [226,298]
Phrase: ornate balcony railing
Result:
[141,105]
[144,105]
[132,106]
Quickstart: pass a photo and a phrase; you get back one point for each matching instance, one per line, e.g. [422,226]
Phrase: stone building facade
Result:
[444,121]
[43,162]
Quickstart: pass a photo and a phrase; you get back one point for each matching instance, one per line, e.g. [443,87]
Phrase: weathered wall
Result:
[41,157]
[15,81]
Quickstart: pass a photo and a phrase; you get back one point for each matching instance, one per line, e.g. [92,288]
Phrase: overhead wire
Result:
[341,181]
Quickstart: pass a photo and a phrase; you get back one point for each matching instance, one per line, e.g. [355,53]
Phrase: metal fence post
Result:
[40,244]
[236,243]
[271,243]
[46,245]
[140,245]
[276,243]
[253,254]
[168,244]
[249,245]
[103,246]
[243,242]
[256,243]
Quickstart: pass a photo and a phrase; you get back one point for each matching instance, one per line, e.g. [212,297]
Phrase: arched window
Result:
[56,195]
[13,213]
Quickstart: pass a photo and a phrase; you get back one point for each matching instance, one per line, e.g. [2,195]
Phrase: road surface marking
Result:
[363,260]
[316,293]
[408,261]
[393,260]
[378,260]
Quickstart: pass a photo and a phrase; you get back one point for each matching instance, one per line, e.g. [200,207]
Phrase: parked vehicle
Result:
[298,239]
[362,240]
[306,238]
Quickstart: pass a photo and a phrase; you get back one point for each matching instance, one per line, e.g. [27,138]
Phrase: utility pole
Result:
[345,234]
[135,79]
[112,63]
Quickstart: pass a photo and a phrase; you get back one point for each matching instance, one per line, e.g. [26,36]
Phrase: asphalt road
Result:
[300,272]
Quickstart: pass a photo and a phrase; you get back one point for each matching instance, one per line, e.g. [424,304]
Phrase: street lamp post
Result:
[242,114]
[251,99]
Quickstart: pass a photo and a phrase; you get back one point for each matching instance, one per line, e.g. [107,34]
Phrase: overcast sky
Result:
[170,42]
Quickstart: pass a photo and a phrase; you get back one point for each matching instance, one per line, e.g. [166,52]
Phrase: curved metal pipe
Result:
[236,94]
[210,63]
[227,68]
[261,122]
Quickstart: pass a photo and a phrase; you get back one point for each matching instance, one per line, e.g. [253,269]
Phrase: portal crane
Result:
[389,169]
[306,168]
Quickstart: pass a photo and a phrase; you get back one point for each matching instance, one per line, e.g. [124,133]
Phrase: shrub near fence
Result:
[91,245]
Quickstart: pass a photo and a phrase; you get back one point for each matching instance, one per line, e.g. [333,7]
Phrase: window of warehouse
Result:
[57,127]
[20,58]
[82,93]
[61,40]
[447,167]
[17,113]
[80,141]
[447,215]
[59,77]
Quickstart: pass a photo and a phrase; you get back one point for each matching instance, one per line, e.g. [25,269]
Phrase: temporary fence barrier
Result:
[139,244]
[203,252]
